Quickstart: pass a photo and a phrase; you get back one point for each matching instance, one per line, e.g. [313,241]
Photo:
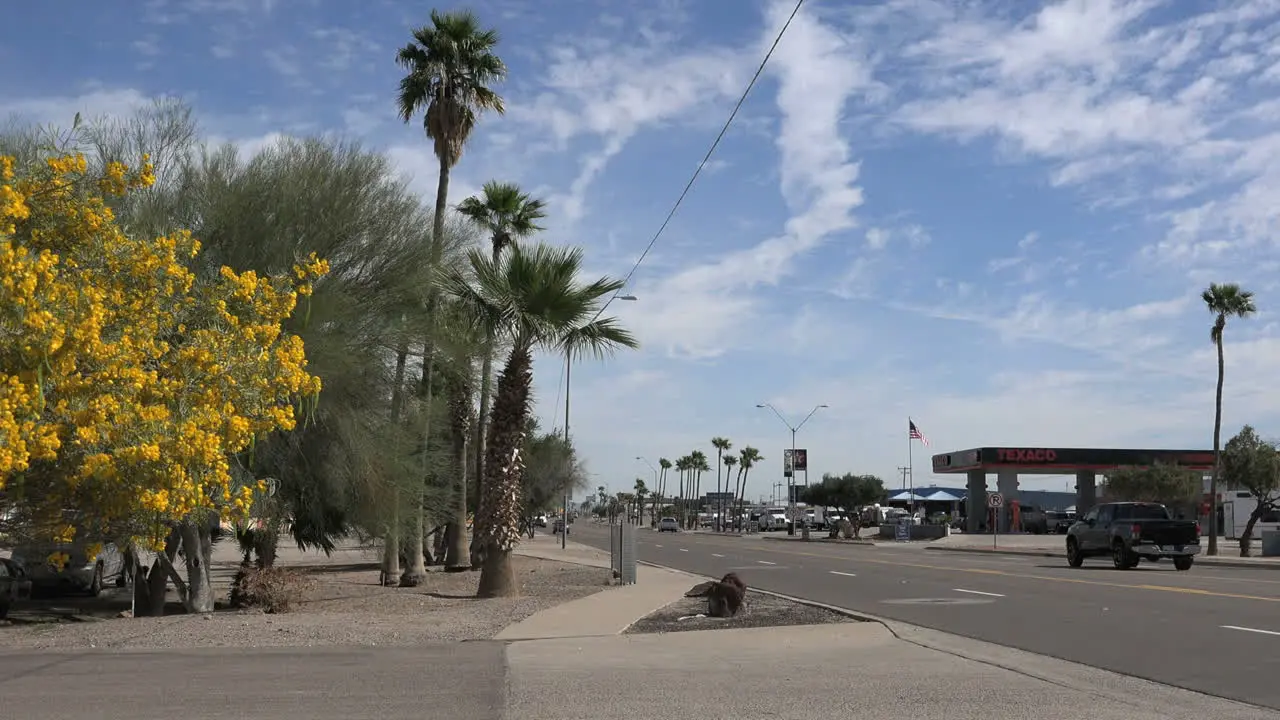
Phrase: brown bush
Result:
[272,590]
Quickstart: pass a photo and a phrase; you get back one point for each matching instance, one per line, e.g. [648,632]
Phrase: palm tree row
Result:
[689,491]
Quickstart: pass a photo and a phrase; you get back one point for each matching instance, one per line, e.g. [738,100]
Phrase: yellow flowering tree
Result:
[128,389]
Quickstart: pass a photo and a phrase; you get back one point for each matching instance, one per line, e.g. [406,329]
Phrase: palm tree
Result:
[729,462]
[507,215]
[1224,301]
[664,465]
[531,299]
[700,465]
[721,444]
[682,466]
[450,66]
[747,459]
[641,490]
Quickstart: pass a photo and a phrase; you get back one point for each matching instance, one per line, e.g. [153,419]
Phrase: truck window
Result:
[1143,511]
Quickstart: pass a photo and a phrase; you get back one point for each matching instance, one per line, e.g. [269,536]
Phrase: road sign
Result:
[995,500]
[902,532]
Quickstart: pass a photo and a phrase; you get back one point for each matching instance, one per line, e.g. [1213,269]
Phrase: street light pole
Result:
[791,480]
[564,509]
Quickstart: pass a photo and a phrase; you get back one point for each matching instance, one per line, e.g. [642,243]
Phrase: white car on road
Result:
[668,524]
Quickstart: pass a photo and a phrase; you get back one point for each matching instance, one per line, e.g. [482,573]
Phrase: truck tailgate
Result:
[1169,532]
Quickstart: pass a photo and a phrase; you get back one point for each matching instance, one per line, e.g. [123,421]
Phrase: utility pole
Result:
[904,470]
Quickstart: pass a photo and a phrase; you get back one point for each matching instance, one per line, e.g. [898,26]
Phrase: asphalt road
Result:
[1213,630]
[313,683]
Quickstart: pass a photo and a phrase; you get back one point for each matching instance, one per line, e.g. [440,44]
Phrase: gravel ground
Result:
[343,605]
[759,610]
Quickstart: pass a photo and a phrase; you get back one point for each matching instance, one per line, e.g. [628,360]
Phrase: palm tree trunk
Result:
[719,502]
[455,554]
[415,570]
[1217,440]
[742,488]
[391,539]
[498,522]
[459,433]
[486,388]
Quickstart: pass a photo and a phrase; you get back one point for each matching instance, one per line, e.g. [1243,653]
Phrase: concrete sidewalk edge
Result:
[1204,561]
[1084,678]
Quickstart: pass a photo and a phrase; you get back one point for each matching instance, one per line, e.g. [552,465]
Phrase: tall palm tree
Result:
[531,299]
[700,465]
[729,462]
[682,467]
[507,214]
[721,444]
[450,68]
[664,465]
[1224,301]
[641,490]
[747,459]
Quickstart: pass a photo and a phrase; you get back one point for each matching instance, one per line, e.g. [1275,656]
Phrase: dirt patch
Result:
[759,610]
[341,605]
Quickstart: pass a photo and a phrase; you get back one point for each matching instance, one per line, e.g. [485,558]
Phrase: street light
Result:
[791,481]
[645,460]
[564,509]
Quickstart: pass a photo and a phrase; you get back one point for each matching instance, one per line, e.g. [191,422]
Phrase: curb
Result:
[1201,560]
[827,540]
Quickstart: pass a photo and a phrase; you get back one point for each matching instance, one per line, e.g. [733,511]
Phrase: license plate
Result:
[1171,548]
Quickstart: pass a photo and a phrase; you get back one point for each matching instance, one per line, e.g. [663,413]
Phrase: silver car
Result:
[79,574]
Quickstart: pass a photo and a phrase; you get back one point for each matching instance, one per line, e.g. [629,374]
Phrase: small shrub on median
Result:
[272,590]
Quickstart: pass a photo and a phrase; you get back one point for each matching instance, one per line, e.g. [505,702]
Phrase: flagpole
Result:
[911,473]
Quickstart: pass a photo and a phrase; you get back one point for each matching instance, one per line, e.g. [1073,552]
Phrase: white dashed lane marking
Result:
[716,555]
[845,574]
[684,550]
[1250,630]
[766,562]
[977,592]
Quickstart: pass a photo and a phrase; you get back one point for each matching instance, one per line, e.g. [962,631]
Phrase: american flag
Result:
[915,433]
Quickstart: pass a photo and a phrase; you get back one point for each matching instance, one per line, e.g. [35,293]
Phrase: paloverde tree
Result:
[506,214]
[1251,463]
[450,70]
[1224,301]
[530,299]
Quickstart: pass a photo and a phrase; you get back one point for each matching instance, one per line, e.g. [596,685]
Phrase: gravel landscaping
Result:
[340,605]
[759,610]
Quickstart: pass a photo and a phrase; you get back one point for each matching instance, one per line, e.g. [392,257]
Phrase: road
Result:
[1213,630]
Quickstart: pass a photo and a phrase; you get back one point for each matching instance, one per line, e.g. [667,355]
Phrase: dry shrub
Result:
[272,590]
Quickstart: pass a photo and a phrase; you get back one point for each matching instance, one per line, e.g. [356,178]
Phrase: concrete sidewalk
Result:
[608,612]
[858,670]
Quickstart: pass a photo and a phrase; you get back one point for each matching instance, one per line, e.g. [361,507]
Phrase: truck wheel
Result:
[1120,557]
[1182,563]
[1074,557]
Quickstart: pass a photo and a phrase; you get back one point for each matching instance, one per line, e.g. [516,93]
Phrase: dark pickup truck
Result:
[1133,531]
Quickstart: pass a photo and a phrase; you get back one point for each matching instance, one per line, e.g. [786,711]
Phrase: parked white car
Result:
[668,524]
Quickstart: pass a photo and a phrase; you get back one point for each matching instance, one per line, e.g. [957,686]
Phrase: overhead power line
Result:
[705,158]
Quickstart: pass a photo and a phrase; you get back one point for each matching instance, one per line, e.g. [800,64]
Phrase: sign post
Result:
[995,501]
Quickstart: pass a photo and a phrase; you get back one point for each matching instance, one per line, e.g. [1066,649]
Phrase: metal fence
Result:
[622,552]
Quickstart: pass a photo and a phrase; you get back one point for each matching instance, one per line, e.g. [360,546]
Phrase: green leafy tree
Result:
[1253,464]
[847,493]
[532,299]
[1171,485]
[1224,301]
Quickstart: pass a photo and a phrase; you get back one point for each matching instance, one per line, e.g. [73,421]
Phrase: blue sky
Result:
[993,217]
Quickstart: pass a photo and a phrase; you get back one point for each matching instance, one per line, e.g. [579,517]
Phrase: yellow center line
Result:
[1024,576]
